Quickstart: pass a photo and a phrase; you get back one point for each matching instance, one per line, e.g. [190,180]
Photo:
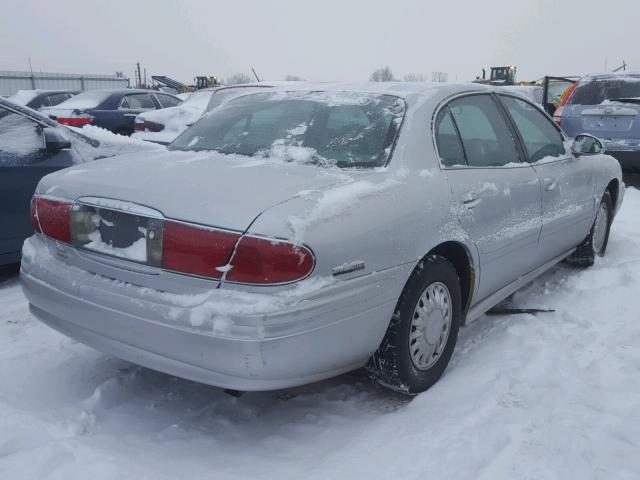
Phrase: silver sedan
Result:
[293,235]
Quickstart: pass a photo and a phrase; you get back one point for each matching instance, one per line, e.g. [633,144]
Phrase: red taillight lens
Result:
[75,121]
[145,125]
[196,250]
[51,217]
[265,261]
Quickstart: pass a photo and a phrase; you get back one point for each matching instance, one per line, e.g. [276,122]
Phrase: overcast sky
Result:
[341,40]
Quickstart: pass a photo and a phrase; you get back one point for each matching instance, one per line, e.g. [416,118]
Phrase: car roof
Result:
[611,76]
[411,92]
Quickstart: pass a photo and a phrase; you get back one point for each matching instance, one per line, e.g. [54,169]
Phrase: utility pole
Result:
[145,78]
[33,79]
[138,76]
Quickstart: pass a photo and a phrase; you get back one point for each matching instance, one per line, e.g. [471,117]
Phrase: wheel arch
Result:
[614,190]
[460,257]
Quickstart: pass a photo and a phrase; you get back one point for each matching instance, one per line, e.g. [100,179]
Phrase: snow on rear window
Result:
[22,97]
[343,129]
[86,100]
[594,91]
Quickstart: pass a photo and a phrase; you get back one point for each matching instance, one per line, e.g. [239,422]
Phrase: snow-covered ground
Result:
[552,396]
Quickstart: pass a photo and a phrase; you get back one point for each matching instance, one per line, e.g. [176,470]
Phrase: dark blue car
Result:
[32,146]
[114,110]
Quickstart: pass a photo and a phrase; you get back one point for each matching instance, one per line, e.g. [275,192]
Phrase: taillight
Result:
[564,99]
[196,250]
[266,261]
[147,126]
[51,217]
[75,121]
[210,253]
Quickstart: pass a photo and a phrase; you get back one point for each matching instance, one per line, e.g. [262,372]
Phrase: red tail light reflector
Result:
[265,261]
[75,121]
[205,252]
[196,250]
[51,217]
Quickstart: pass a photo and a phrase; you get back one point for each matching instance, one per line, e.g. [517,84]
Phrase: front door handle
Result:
[470,199]
[549,184]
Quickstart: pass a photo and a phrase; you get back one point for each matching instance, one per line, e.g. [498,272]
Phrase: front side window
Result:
[139,101]
[486,138]
[344,129]
[540,137]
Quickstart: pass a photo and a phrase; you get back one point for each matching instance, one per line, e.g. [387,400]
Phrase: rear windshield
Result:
[226,94]
[343,129]
[596,91]
[89,99]
[22,97]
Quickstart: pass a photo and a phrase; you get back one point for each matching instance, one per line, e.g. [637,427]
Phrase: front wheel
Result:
[422,334]
[596,242]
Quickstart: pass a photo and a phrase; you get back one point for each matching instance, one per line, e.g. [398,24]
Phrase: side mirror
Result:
[54,140]
[585,144]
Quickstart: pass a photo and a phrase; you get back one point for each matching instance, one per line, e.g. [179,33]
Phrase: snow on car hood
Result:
[206,187]
[177,118]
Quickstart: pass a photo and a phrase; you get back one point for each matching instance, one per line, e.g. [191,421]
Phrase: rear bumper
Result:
[305,339]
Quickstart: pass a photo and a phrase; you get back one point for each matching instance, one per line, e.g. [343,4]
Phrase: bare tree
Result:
[382,75]
[293,78]
[415,77]
[238,78]
[439,76]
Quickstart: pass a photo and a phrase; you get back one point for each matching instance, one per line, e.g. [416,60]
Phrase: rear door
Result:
[22,164]
[131,106]
[497,194]
[567,182]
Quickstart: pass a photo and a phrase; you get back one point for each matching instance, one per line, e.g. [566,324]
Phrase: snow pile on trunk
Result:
[543,397]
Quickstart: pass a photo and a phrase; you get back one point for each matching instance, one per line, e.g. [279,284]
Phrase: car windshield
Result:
[596,91]
[89,99]
[344,129]
[198,99]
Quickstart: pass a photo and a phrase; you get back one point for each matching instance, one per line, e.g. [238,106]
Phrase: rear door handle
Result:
[470,199]
[131,114]
[549,184]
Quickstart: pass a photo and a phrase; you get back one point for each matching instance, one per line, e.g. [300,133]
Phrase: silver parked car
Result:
[293,235]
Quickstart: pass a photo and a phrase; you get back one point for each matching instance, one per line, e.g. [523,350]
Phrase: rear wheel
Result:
[598,238]
[423,331]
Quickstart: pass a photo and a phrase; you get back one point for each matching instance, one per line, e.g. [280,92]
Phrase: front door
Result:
[496,194]
[567,183]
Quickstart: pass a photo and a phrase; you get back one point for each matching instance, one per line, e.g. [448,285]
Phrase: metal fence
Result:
[12,81]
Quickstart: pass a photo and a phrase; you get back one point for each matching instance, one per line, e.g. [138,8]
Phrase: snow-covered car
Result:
[606,105]
[292,235]
[38,99]
[32,146]
[163,126]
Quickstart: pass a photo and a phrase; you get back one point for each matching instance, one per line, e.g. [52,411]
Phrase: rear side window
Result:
[56,98]
[449,146]
[541,138]
[138,101]
[486,138]
[596,91]
[167,100]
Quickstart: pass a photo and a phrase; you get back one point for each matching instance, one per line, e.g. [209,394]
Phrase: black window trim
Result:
[514,127]
[519,145]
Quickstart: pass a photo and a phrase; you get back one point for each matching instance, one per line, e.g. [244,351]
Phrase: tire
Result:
[586,253]
[396,364]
